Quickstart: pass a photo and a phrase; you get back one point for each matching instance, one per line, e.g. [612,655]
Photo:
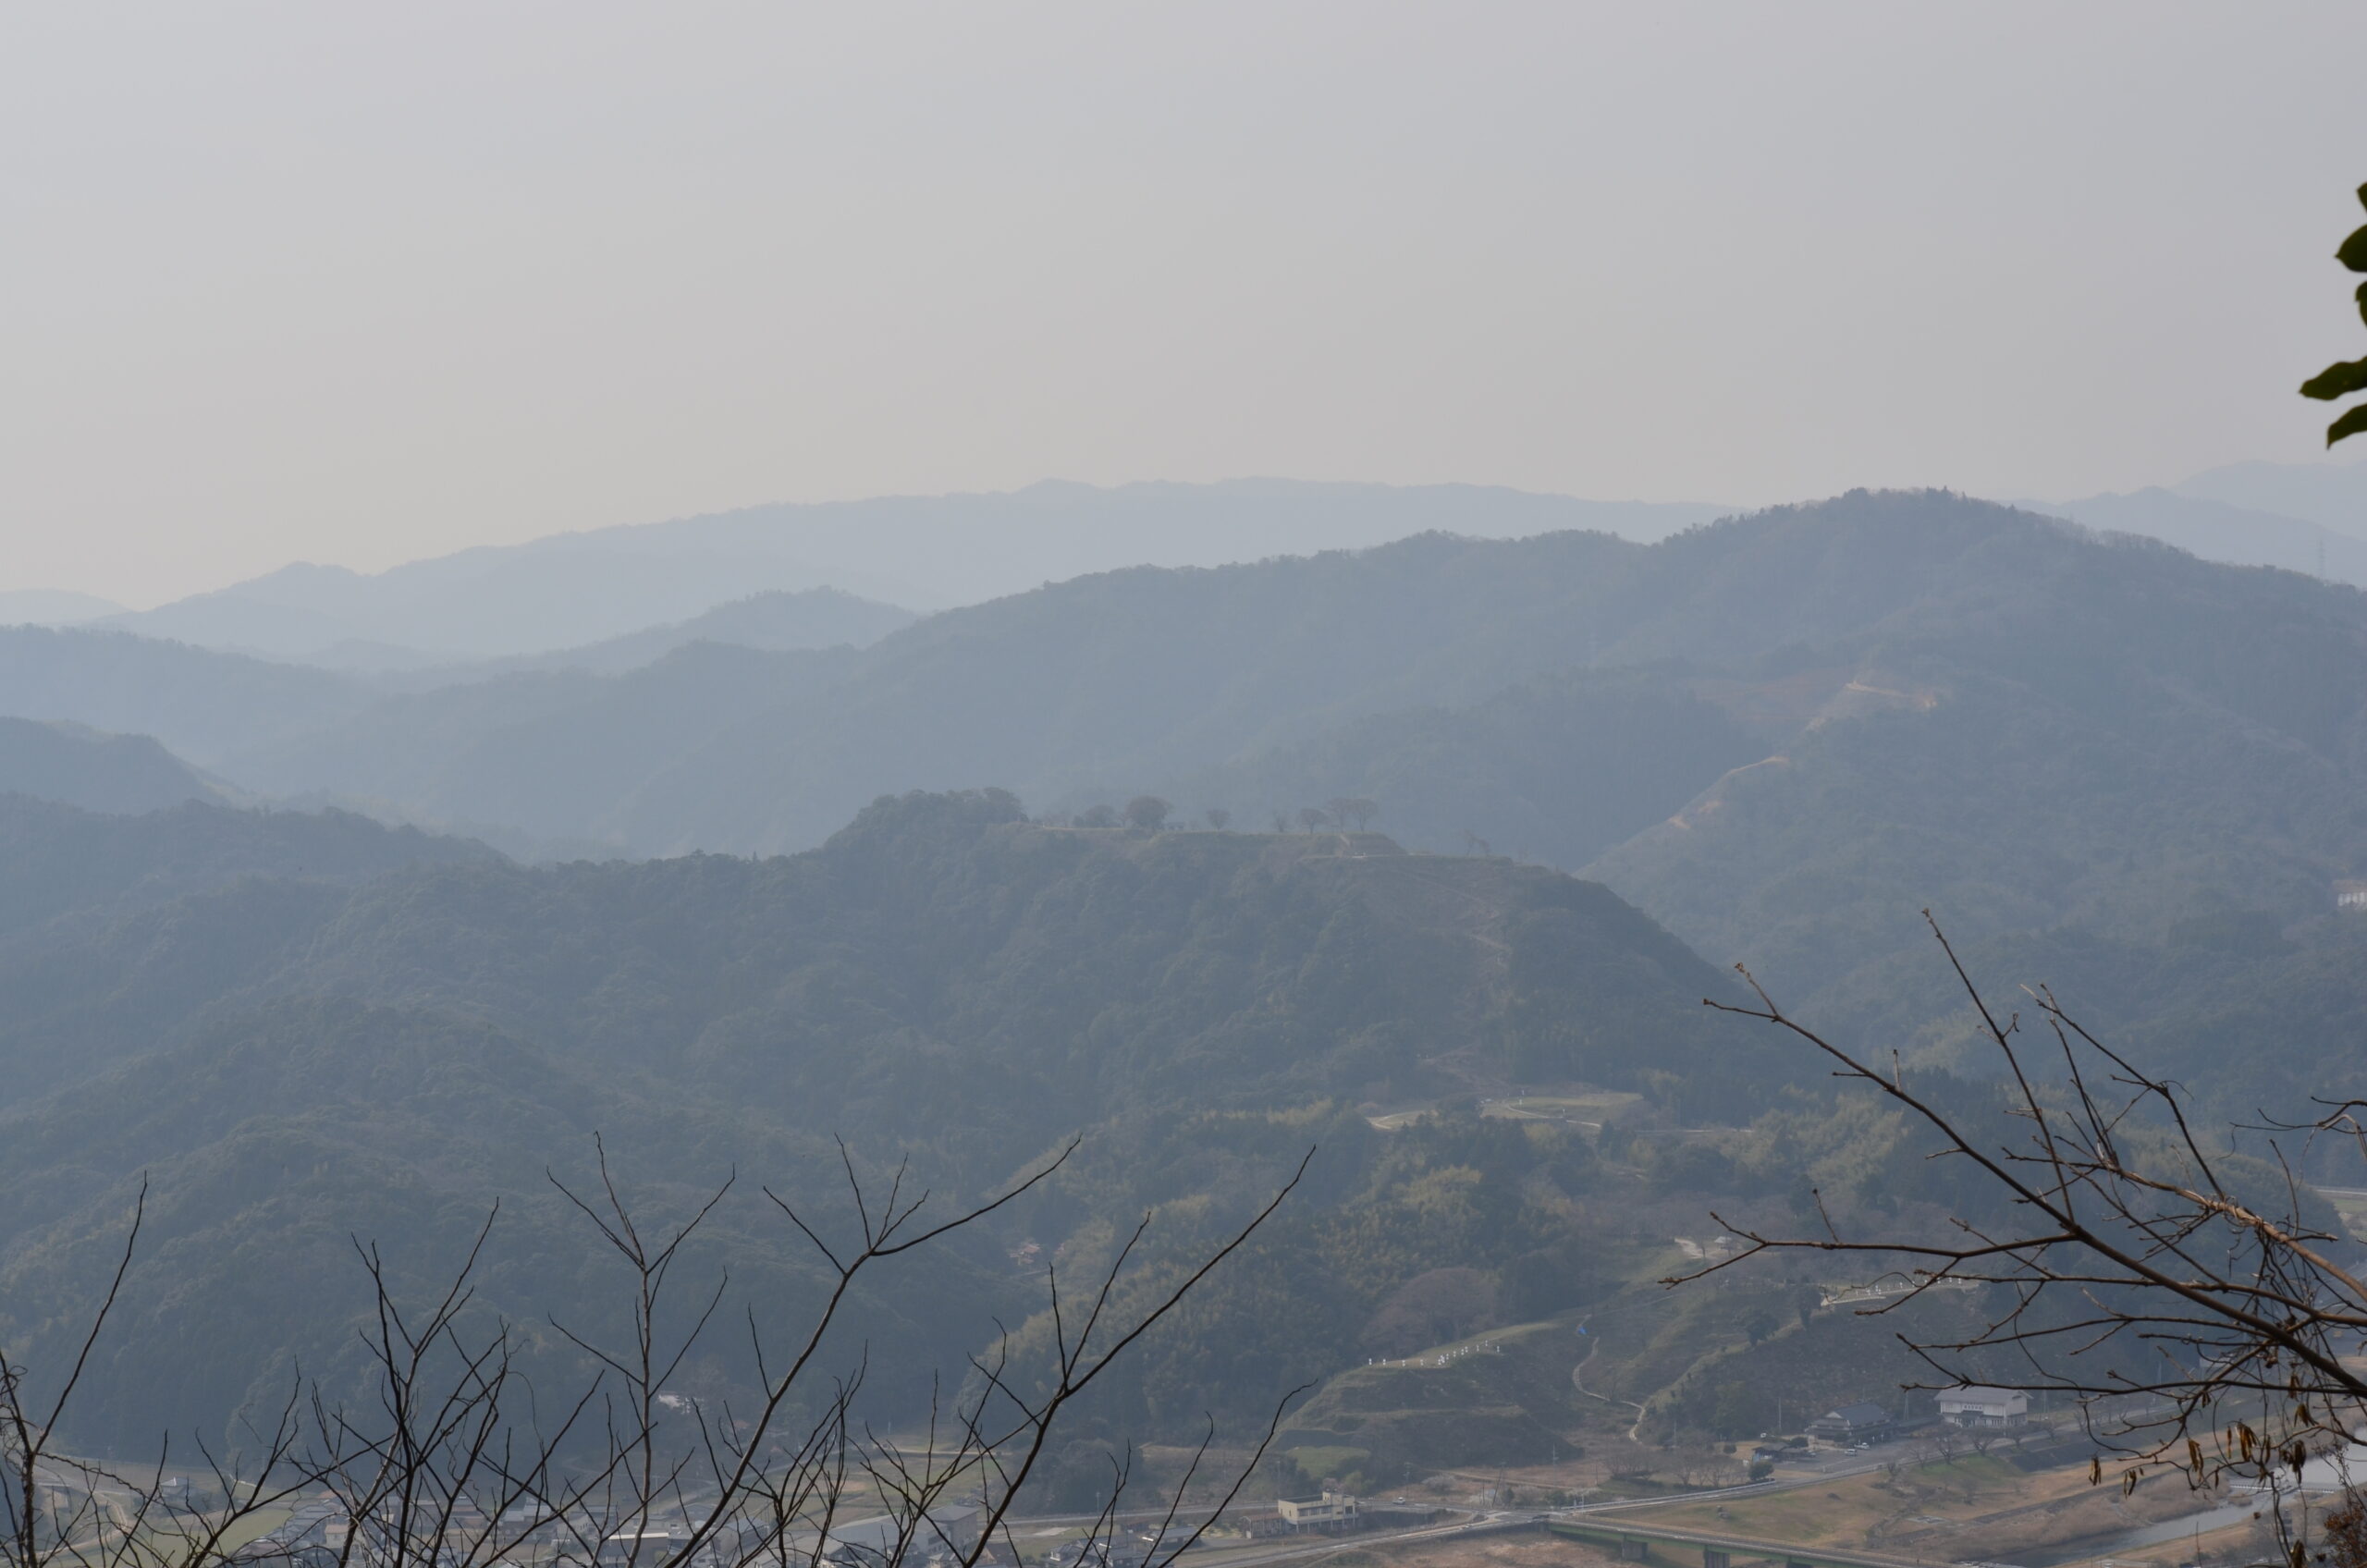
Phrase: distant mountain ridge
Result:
[2217,530]
[2302,516]
[777,621]
[1150,678]
[1552,696]
[1898,701]
[2332,494]
[52,606]
[923,552]
[201,704]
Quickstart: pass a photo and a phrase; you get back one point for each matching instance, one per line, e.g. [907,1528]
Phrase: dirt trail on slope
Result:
[1578,1381]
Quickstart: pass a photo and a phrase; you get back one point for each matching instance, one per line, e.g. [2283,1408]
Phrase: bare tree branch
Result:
[2191,1327]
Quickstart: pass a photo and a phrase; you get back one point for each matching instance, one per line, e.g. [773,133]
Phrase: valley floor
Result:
[1877,1509]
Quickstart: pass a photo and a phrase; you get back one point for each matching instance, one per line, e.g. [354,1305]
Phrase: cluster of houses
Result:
[1859,1425]
[321,1534]
[944,1534]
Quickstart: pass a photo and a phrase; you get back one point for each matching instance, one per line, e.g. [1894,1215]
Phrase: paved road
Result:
[1747,1546]
[1293,1547]
[1836,1466]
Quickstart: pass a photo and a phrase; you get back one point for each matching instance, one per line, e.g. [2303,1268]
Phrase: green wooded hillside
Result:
[98,772]
[296,1058]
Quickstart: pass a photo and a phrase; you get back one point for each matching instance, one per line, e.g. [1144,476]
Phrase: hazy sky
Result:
[361,284]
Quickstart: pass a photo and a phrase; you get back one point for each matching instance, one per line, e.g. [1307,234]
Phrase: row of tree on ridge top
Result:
[1340,814]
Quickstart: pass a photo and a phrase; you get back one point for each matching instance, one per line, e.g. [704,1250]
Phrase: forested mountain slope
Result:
[1112,970]
[291,1059]
[1912,700]
[1882,701]
[58,860]
[1784,734]
[113,929]
[2116,738]
[1557,770]
[94,770]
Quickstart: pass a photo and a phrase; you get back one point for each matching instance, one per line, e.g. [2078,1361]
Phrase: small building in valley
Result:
[1328,1509]
[1978,1406]
[1854,1424]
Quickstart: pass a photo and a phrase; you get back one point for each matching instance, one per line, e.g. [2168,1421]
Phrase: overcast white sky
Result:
[361,284]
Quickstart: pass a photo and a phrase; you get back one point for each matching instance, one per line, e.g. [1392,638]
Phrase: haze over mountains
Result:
[699,869]
[2303,518]
[2332,494]
[1868,696]
[932,552]
[53,607]
[922,552]
[840,873]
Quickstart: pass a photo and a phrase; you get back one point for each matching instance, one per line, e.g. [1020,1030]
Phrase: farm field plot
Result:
[1971,1507]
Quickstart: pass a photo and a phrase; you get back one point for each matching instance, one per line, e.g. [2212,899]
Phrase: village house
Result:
[1978,1406]
[1328,1509]
[1854,1424]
